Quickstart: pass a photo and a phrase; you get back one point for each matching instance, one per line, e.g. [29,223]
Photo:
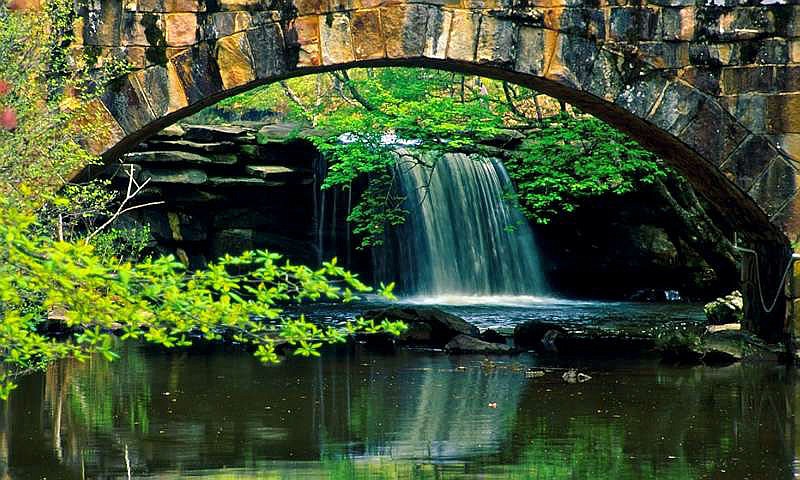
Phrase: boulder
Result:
[493,336]
[467,344]
[426,326]
[724,310]
[582,338]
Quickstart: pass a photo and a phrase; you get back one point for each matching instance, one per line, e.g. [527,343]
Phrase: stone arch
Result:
[680,78]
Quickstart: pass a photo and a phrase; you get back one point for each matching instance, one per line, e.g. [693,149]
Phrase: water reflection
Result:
[411,415]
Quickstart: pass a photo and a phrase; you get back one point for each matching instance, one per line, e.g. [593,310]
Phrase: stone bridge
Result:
[714,88]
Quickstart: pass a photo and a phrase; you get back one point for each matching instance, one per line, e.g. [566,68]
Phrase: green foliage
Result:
[156,301]
[567,158]
[570,158]
[93,289]
[679,337]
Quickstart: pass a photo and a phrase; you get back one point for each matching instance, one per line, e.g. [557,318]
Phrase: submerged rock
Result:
[728,309]
[583,338]
[467,344]
[493,336]
[426,326]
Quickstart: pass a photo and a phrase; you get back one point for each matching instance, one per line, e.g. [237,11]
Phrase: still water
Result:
[356,415]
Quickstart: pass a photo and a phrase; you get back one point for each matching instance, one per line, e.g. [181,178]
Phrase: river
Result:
[355,414]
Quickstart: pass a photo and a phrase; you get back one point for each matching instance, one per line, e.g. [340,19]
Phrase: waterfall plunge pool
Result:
[415,415]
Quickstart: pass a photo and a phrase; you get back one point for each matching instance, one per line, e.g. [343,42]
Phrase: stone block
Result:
[269,51]
[531,54]
[142,29]
[677,24]
[463,41]
[677,107]
[198,72]
[632,24]
[111,133]
[740,80]
[127,103]
[163,89]
[303,36]
[437,32]
[713,132]
[572,61]
[404,30]
[606,78]
[336,39]
[180,29]
[750,110]
[186,176]
[368,41]
[640,94]
[496,41]
[776,186]
[748,162]
[783,113]
[235,61]
[222,24]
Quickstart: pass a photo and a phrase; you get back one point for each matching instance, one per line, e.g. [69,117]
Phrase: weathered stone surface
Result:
[189,146]
[336,39]
[180,29]
[242,182]
[169,156]
[235,60]
[186,176]
[367,35]
[215,133]
[466,344]
[270,171]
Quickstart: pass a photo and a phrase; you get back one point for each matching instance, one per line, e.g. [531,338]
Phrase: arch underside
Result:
[711,181]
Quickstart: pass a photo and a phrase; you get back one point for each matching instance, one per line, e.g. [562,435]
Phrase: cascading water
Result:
[461,238]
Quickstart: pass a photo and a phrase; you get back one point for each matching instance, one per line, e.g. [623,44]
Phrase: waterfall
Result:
[461,237]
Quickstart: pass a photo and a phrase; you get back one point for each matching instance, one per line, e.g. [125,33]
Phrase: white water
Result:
[462,243]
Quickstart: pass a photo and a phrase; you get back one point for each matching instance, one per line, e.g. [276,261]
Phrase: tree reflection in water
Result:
[411,415]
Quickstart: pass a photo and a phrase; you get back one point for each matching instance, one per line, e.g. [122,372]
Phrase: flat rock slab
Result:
[467,344]
[269,170]
[172,131]
[184,145]
[216,133]
[172,157]
[185,176]
[243,182]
